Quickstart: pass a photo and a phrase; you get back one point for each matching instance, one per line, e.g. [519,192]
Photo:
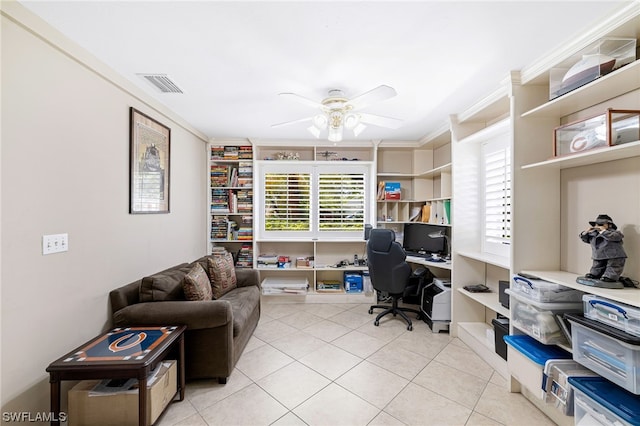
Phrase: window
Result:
[312,200]
[497,196]
[287,201]
[341,200]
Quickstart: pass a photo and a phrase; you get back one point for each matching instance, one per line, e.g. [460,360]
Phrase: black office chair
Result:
[388,272]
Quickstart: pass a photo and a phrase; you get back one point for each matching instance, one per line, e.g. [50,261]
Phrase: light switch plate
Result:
[56,243]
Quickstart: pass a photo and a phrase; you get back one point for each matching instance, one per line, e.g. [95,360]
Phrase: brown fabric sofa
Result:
[217,330]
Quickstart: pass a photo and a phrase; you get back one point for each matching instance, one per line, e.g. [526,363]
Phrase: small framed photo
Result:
[149,170]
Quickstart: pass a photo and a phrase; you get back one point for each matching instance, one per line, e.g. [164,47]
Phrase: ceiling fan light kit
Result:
[337,113]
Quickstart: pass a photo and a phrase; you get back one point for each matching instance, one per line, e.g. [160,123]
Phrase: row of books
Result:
[223,228]
[224,175]
[231,152]
[245,257]
[231,201]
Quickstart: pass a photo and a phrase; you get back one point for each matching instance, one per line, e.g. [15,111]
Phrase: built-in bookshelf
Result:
[231,201]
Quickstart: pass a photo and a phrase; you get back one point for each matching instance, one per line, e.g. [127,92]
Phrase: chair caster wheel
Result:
[410,327]
[376,323]
[370,311]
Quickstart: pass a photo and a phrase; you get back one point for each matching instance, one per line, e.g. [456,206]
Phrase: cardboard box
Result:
[121,409]
[392,191]
[353,282]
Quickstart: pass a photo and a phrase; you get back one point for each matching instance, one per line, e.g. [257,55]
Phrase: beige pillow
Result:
[222,273]
[196,284]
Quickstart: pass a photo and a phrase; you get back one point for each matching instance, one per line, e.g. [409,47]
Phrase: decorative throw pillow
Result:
[165,285]
[222,273]
[196,284]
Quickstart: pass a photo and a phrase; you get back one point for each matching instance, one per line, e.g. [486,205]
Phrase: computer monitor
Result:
[416,239]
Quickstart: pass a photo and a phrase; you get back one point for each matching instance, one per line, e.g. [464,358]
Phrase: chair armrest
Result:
[195,315]
[247,277]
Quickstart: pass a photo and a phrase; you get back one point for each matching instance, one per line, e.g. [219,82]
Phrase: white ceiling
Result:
[233,58]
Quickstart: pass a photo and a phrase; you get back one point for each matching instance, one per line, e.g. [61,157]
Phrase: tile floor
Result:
[327,364]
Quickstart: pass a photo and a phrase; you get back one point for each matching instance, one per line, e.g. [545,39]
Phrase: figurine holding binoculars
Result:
[606,249]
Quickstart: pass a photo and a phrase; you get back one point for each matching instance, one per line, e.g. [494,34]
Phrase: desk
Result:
[425,262]
[122,353]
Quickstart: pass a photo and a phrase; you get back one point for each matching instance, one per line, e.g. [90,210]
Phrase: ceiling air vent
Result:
[162,83]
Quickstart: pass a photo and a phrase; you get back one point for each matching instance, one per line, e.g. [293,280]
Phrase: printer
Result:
[436,304]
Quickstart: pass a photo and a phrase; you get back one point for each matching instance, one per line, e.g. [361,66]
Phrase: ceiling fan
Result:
[338,112]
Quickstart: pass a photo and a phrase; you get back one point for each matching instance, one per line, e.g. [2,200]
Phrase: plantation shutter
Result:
[497,229]
[287,202]
[341,202]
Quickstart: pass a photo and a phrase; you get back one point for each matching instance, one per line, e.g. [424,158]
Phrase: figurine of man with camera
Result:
[606,249]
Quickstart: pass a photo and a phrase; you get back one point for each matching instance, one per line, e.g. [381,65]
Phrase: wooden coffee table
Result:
[121,353]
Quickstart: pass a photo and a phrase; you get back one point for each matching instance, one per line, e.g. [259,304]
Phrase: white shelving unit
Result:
[472,312]
[553,198]
[231,201]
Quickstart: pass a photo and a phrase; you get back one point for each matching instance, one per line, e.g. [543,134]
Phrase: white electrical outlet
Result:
[55,243]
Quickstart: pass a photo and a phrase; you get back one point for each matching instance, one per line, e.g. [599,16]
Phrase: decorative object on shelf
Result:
[614,127]
[286,155]
[338,112]
[606,251]
[392,191]
[328,154]
[150,144]
[592,62]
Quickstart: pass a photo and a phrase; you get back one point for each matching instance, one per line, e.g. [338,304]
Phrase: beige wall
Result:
[64,169]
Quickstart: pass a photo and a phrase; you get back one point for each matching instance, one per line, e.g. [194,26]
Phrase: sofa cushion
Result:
[222,274]
[196,284]
[165,285]
[244,301]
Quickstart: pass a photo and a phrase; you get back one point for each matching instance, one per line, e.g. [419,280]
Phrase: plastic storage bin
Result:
[612,353]
[544,291]
[526,358]
[598,401]
[616,314]
[555,383]
[541,320]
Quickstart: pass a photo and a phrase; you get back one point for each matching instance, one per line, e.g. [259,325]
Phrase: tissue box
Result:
[614,127]
[592,62]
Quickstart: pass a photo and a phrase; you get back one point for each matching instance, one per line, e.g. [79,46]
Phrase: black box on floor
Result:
[501,329]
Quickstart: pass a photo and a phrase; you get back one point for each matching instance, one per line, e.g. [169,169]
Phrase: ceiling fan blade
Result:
[379,120]
[380,93]
[302,100]
[286,123]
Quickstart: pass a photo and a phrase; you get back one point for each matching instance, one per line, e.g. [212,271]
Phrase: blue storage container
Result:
[598,401]
[526,358]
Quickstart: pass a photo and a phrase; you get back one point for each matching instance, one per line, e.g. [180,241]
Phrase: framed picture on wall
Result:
[150,155]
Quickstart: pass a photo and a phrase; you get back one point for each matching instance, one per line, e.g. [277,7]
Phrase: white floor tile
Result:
[327,330]
[358,343]
[330,361]
[416,405]
[400,361]
[372,383]
[251,406]
[273,330]
[335,405]
[461,387]
[262,361]
[293,384]
[327,364]
[298,344]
